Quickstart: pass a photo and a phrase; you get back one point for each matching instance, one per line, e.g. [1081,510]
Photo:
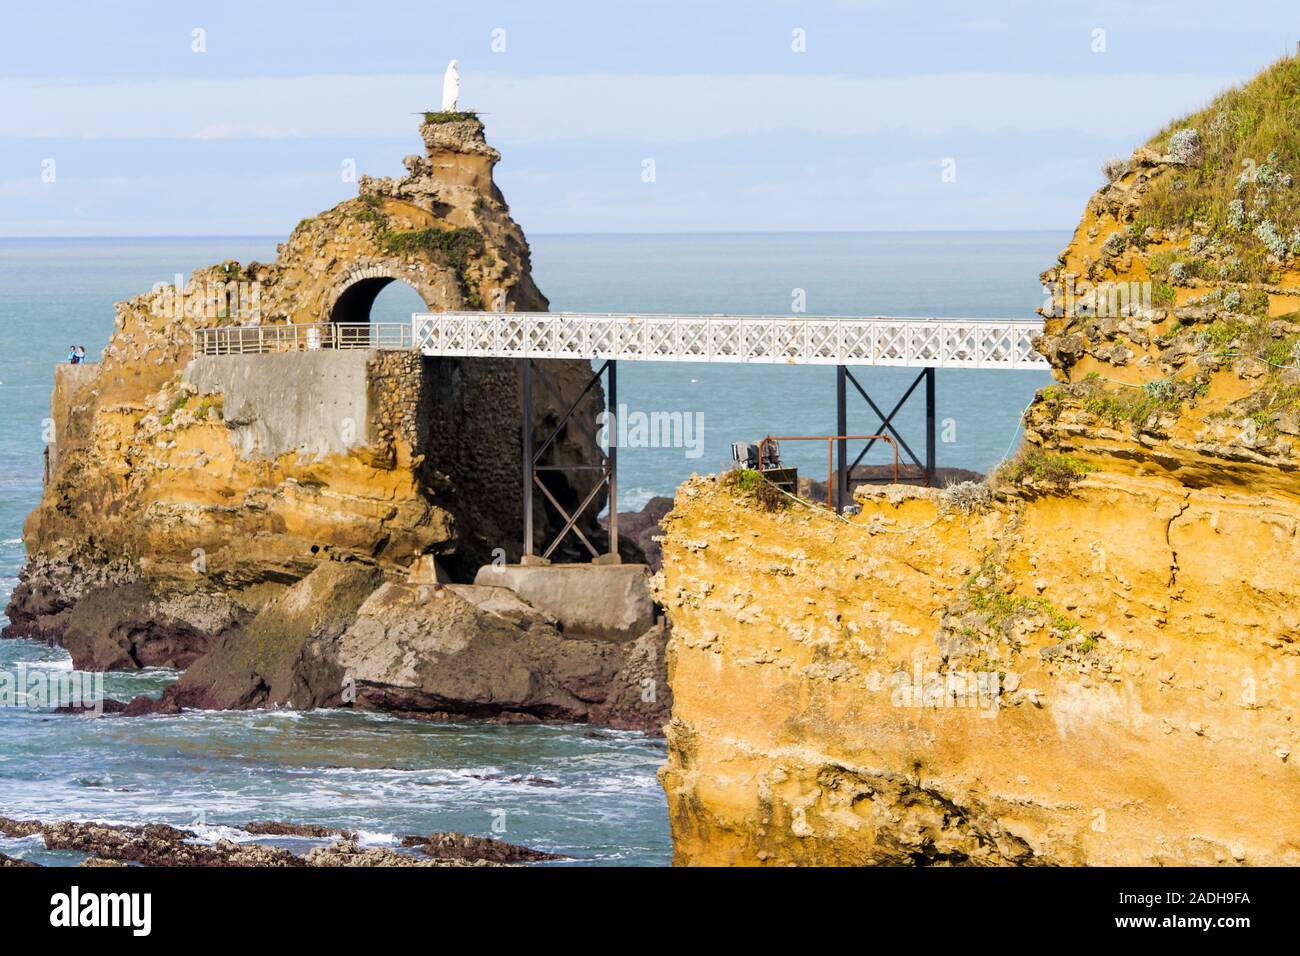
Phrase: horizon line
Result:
[718,232]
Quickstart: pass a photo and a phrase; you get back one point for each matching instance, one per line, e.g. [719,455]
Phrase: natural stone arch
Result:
[355,292]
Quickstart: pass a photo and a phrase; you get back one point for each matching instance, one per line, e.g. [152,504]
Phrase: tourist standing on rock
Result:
[81,354]
[73,358]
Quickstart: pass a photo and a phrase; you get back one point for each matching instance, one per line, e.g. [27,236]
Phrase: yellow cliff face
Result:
[866,692]
[1092,660]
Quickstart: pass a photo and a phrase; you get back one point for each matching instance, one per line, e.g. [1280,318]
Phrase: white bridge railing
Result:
[257,339]
[819,340]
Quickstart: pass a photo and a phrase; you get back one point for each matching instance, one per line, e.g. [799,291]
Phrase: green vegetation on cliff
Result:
[1235,185]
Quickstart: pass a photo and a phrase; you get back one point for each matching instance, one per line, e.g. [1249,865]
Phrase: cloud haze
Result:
[1021,101]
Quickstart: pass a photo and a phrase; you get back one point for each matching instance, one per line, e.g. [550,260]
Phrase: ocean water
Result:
[590,794]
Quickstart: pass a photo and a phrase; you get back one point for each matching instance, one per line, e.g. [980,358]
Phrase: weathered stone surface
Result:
[459,846]
[349,853]
[605,601]
[215,482]
[273,661]
[163,845]
[1092,662]
[639,697]
[345,636]
[428,648]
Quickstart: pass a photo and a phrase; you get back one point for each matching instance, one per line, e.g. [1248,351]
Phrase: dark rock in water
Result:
[18,829]
[531,781]
[279,828]
[118,628]
[162,845]
[350,853]
[144,704]
[345,636]
[106,706]
[459,846]
[47,589]
[150,845]
[642,527]
[109,621]
[14,862]
[270,661]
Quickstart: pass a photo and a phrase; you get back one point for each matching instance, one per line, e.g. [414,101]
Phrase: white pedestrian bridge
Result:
[752,339]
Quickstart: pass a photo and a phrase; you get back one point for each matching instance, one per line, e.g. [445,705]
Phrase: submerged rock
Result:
[163,845]
[349,853]
[280,828]
[459,846]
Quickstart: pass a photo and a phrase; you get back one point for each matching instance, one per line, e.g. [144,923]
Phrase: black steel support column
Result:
[526,474]
[930,469]
[611,454]
[533,455]
[841,428]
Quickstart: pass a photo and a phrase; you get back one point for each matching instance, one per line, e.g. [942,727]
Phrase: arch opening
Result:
[377,299]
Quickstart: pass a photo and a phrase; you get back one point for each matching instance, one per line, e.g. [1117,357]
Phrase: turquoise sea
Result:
[591,794]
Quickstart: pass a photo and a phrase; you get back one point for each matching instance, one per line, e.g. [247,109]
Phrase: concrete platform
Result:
[607,601]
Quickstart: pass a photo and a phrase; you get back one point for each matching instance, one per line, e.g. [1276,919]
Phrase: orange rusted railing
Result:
[830,455]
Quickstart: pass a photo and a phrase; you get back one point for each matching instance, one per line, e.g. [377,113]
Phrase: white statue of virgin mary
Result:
[450,88]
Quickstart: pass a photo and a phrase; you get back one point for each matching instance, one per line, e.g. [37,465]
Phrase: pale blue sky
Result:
[149,137]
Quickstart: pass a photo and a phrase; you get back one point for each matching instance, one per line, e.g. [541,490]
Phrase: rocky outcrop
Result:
[269,522]
[1088,659]
[186,492]
[162,845]
[458,846]
[345,636]
[274,660]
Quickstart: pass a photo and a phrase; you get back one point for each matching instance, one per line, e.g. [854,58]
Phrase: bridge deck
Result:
[755,339]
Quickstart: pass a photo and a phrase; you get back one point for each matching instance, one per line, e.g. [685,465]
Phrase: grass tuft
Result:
[750,483]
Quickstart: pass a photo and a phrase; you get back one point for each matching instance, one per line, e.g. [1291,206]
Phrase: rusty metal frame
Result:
[830,440]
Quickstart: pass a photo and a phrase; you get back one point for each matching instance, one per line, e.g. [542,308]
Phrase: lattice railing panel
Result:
[818,340]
